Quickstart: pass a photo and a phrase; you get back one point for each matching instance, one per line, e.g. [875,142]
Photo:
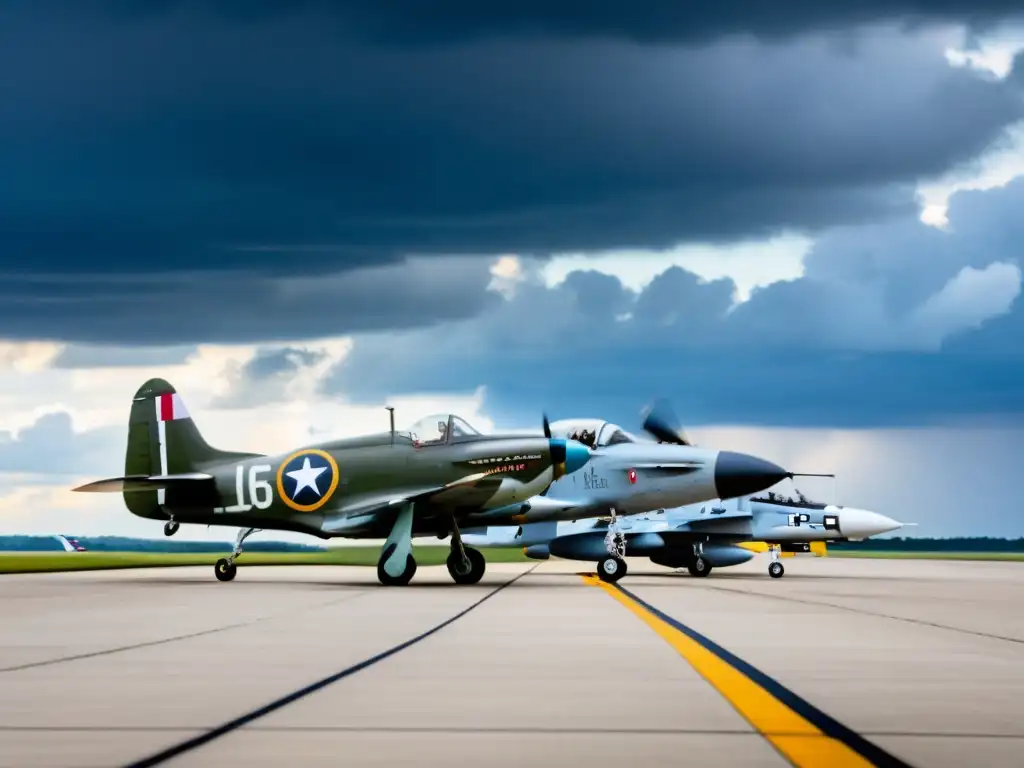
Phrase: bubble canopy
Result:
[592,432]
[442,428]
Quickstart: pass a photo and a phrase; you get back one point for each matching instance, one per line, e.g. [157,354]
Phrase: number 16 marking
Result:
[260,492]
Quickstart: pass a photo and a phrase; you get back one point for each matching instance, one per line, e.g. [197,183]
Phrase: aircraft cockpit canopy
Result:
[613,435]
[593,433]
[441,429]
[772,497]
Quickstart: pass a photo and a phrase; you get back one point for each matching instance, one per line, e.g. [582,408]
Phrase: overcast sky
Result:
[802,225]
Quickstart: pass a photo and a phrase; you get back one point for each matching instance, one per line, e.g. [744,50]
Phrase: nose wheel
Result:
[611,569]
[775,569]
[170,528]
[699,567]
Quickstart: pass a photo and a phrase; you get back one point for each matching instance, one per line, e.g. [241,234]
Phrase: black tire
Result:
[477,566]
[775,570]
[611,569]
[170,529]
[699,568]
[225,570]
[387,579]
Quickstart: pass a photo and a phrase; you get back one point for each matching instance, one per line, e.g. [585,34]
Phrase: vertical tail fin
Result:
[164,440]
[162,437]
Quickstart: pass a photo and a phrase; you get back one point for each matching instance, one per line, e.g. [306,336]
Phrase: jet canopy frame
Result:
[593,433]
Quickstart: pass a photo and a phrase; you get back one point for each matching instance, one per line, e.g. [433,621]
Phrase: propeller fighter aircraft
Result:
[393,485]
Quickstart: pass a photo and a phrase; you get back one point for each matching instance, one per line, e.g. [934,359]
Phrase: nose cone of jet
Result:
[576,456]
[739,474]
[862,523]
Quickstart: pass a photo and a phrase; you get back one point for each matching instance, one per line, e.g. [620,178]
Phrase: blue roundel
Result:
[307,479]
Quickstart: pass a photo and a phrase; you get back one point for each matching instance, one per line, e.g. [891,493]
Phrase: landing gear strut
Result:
[225,568]
[170,528]
[775,569]
[397,566]
[613,567]
[465,564]
[699,567]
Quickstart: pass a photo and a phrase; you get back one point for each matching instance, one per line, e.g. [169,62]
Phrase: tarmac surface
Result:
[839,663]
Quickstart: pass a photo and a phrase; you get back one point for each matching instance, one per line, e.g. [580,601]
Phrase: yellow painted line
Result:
[807,737]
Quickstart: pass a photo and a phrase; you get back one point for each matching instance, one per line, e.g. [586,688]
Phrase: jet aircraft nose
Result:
[739,474]
[863,523]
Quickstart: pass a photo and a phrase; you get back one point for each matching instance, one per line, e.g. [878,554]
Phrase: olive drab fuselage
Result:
[254,490]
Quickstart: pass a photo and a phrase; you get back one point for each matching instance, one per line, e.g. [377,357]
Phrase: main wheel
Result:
[699,567]
[459,573]
[611,569]
[775,570]
[225,570]
[170,528]
[387,579]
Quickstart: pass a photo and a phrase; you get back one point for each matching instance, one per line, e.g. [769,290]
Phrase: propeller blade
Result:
[661,422]
[547,427]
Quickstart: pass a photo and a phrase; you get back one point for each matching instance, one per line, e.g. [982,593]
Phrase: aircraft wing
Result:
[360,511]
[727,523]
[131,483]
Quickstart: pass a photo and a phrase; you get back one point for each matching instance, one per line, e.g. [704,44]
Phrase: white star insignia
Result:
[305,477]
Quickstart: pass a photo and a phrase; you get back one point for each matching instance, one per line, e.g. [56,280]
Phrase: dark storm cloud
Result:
[180,142]
[101,356]
[855,342]
[235,307]
[649,21]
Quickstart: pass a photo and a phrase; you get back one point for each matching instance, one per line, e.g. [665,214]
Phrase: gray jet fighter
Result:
[627,475]
[700,537]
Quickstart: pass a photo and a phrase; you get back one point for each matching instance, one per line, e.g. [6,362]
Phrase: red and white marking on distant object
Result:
[632,477]
[171,407]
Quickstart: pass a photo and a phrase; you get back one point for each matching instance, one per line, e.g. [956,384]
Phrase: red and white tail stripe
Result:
[170,407]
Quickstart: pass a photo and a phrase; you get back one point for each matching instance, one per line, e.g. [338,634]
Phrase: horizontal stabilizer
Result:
[132,483]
